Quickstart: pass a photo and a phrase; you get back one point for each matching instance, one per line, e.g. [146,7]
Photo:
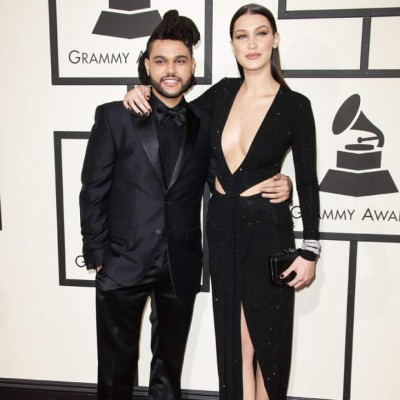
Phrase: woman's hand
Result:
[136,100]
[305,272]
[277,188]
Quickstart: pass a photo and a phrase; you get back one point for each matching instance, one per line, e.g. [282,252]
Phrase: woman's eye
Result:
[240,37]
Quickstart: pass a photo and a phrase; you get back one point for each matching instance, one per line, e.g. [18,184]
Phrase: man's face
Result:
[170,67]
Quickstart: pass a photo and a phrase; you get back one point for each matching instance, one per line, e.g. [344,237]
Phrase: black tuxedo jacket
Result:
[126,206]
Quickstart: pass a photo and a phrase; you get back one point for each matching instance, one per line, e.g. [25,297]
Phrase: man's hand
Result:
[136,100]
[277,188]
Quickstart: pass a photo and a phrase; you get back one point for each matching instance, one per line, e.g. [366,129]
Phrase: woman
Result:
[257,118]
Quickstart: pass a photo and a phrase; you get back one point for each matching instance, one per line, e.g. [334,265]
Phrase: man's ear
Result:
[147,66]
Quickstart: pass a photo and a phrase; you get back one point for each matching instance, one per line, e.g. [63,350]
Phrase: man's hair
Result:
[172,27]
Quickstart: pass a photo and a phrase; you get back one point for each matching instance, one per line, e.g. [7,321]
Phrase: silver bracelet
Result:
[311,245]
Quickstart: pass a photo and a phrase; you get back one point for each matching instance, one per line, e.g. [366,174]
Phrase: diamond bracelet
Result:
[311,245]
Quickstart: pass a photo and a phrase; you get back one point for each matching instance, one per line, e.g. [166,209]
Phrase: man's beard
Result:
[172,95]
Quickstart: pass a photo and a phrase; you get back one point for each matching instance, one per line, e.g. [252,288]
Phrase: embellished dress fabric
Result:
[244,231]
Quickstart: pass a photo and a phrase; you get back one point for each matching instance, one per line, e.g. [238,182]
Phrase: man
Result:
[143,181]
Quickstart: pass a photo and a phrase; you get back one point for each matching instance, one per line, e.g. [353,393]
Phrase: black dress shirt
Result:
[169,134]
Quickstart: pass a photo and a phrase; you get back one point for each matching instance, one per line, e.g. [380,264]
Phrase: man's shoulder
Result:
[114,107]
[114,112]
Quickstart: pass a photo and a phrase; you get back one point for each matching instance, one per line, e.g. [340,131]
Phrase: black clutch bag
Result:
[279,262]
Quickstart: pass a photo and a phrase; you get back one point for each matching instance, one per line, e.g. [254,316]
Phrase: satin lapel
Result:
[148,137]
[188,141]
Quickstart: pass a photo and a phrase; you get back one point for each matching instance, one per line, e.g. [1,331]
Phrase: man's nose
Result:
[171,68]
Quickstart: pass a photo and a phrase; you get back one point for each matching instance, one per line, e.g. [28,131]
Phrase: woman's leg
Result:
[249,382]
[253,384]
[261,392]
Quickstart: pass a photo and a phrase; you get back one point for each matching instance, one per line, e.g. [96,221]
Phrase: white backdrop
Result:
[347,323]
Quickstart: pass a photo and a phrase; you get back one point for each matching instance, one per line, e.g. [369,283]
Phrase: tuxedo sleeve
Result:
[97,174]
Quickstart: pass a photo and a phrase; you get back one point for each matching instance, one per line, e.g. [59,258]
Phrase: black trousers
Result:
[119,311]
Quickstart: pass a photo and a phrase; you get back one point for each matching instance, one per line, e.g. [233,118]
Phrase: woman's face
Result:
[252,41]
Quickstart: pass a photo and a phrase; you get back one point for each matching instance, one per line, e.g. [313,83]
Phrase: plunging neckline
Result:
[255,136]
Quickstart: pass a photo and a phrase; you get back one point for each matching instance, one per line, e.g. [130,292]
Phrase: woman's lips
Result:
[252,56]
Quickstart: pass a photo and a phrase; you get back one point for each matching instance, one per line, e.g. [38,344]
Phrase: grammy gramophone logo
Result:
[358,170]
[120,24]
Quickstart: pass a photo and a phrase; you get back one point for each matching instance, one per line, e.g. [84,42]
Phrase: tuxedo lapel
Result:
[146,131]
[188,141]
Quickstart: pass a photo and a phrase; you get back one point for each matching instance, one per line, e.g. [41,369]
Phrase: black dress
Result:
[243,231]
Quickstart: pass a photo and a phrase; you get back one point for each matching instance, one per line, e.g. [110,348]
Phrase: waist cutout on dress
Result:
[243,179]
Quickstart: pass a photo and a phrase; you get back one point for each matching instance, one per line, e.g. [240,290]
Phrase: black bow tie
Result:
[163,113]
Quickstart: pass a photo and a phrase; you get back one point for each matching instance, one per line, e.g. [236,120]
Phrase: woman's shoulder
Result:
[232,81]
[294,98]
[228,83]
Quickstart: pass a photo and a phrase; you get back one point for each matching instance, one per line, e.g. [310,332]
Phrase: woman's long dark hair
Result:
[252,8]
